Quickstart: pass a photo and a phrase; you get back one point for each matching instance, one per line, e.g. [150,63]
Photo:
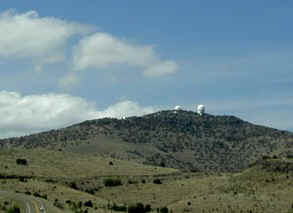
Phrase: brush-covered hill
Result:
[181,139]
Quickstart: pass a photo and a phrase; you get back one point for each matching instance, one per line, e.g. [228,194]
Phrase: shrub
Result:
[90,191]
[148,208]
[13,209]
[164,210]
[157,181]
[79,204]
[132,182]
[118,208]
[266,157]
[36,194]
[73,185]
[138,208]
[112,182]
[68,201]
[20,161]
[22,179]
[88,204]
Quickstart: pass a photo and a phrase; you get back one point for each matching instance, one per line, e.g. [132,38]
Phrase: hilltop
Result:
[182,140]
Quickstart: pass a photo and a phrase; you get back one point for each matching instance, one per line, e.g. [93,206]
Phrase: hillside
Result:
[69,182]
[182,140]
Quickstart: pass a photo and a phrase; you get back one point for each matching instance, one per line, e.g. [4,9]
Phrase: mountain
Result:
[176,139]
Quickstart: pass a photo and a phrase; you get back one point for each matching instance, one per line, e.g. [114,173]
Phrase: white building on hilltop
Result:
[201,109]
[177,108]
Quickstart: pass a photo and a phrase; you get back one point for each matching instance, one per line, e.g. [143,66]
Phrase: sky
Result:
[63,62]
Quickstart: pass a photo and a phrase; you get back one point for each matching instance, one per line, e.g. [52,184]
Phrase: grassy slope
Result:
[46,163]
[68,167]
[257,189]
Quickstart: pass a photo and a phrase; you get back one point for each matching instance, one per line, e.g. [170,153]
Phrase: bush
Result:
[20,161]
[90,191]
[73,185]
[266,157]
[88,204]
[36,194]
[132,182]
[148,208]
[112,182]
[164,210]
[157,181]
[139,208]
[13,209]
[118,208]
[22,179]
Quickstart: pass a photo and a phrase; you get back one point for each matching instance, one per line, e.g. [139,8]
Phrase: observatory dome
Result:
[177,107]
[200,109]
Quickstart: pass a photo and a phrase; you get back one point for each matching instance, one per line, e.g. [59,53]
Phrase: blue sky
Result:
[66,61]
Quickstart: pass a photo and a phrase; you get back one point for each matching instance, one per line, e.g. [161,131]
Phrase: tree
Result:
[21,161]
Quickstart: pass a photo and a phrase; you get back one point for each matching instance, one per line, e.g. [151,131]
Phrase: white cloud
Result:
[22,115]
[102,50]
[162,68]
[25,114]
[39,39]
[125,108]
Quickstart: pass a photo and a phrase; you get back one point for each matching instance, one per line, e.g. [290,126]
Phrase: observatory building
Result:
[201,109]
[177,108]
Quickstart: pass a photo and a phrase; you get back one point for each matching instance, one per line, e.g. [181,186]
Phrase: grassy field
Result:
[65,181]
[46,163]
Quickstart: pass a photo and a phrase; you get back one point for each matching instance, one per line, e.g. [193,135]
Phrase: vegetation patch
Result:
[109,182]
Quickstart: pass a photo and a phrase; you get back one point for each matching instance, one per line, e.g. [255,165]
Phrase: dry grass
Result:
[253,190]
[46,163]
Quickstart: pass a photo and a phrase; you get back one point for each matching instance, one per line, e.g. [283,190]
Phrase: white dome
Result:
[200,109]
[177,107]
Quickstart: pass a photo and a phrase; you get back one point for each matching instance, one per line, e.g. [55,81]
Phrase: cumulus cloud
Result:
[162,68]
[102,50]
[125,108]
[22,115]
[39,39]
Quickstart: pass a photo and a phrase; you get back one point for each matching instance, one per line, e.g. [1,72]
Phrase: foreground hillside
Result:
[182,140]
[71,182]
